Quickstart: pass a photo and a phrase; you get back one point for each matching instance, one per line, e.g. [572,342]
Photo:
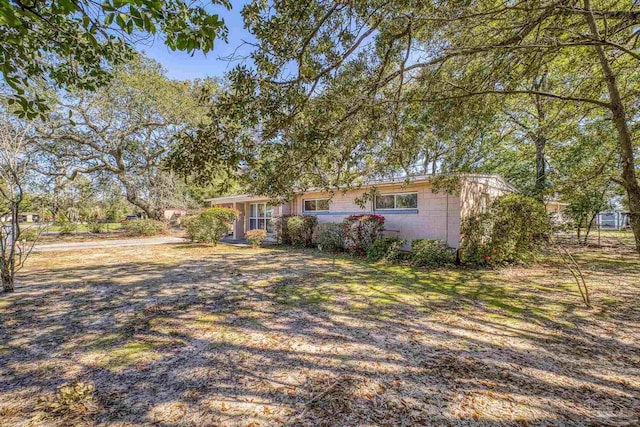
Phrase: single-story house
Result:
[173,215]
[412,209]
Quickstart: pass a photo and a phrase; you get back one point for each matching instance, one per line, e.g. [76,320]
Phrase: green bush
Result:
[329,236]
[256,237]
[210,225]
[511,231]
[300,229]
[96,226]
[187,224]
[431,253]
[279,224]
[386,249]
[65,226]
[28,234]
[143,227]
[361,231]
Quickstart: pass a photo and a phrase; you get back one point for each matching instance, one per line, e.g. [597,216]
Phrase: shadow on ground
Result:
[186,335]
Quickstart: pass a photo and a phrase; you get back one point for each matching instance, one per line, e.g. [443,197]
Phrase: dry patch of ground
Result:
[189,335]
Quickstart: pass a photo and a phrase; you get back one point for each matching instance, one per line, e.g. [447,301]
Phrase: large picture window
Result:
[260,217]
[397,201]
[316,205]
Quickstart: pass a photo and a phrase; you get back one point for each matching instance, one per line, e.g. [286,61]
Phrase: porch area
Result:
[255,213]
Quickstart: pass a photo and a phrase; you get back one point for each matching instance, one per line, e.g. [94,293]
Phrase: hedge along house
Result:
[417,208]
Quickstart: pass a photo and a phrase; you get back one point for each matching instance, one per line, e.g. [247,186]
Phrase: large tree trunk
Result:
[135,200]
[628,176]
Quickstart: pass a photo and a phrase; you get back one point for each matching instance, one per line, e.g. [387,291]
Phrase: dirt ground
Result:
[190,335]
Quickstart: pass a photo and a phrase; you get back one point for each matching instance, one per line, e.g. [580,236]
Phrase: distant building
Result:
[613,220]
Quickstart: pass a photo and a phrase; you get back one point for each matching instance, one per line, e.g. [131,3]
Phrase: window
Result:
[397,201]
[316,205]
[260,217]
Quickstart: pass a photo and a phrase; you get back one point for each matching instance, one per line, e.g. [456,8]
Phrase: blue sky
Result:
[181,66]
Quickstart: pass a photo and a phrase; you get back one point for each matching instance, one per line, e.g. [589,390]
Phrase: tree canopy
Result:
[336,91]
[124,130]
[75,43]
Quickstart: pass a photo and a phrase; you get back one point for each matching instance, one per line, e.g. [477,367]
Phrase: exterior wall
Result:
[478,192]
[437,215]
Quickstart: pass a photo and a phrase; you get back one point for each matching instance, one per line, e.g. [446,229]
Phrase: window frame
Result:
[395,201]
[265,217]
[304,202]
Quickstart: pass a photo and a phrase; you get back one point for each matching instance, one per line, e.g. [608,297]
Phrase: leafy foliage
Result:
[256,237]
[143,227]
[361,231]
[65,225]
[386,249]
[279,224]
[431,253]
[75,43]
[583,209]
[329,236]
[511,231]
[300,229]
[123,132]
[362,89]
[210,225]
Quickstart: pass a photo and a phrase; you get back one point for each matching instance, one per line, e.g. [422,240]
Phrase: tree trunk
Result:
[628,176]
[588,230]
[579,228]
[132,197]
[541,170]
[7,282]
[540,142]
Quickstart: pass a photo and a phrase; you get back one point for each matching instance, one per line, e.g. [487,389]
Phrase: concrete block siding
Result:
[436,217]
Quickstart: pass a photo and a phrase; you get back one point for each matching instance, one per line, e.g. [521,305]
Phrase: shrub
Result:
[28,234]
[96,219]
[361,231]
[386,249]
[329,236]
[256,237]
[187,224]
[96,226]
[210,225]
[279,224]
[65,226]
[431,253]
[143,227]
[300,229]
[511,231]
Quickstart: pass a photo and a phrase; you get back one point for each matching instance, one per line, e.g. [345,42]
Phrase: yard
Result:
[190,335]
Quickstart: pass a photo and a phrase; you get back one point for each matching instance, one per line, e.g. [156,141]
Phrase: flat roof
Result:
[371,183]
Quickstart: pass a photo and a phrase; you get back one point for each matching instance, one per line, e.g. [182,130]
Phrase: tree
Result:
[124,130]
[15,165]
[425,53]
[584,208]
[74,43]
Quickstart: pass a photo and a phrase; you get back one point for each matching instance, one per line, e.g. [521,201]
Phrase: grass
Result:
[197,335]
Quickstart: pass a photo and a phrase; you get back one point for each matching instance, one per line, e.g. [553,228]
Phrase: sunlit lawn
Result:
[182,335]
